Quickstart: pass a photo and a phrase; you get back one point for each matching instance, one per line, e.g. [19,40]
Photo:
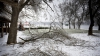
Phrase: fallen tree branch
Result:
[49,34]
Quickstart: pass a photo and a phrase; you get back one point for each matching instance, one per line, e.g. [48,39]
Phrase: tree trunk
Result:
[69,25]
[90,31]
[6,28]
[1,29]
[99,27]
[13,28]
[74,25]
[79,26]
[62,25]
[91,19]
[98,22]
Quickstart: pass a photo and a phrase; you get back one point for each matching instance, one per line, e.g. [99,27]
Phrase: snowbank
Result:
[79,45]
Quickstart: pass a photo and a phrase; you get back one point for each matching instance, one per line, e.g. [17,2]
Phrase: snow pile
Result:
[79,44]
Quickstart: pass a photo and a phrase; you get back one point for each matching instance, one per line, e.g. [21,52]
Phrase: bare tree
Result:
[94,7]
[63,12]
[70,9]
[97,19]
[81,12]
[17,6]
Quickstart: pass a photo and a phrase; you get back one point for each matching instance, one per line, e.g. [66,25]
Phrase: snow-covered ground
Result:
[80,44]
[91,47]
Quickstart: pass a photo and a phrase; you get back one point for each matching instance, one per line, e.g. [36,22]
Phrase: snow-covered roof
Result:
[4,19]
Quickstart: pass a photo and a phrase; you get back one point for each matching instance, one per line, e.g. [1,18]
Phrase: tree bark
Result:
[62,25]
[79,23]
[79,26]
[1,29]
[99,27]
[74,25]
[90,32]
[69,25]
[6,28]
[98,22]
[13,28]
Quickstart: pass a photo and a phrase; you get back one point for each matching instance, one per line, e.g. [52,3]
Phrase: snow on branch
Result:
[9,2]
[48,5]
